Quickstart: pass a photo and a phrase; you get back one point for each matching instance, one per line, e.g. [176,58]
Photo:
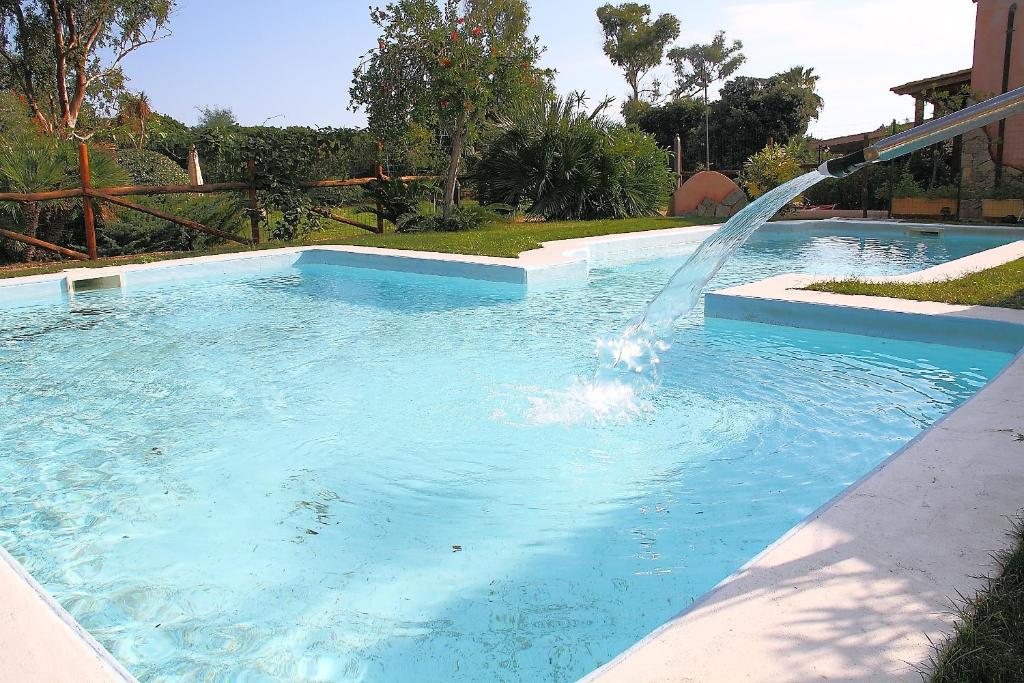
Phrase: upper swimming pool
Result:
[330,473]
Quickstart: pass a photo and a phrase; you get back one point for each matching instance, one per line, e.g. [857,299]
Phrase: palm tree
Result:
[38,164]
[32,168]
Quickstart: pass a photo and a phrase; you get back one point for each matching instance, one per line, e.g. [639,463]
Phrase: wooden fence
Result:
[113,195]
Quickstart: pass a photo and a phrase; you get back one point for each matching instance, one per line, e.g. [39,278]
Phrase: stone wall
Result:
[979,168]
[723,209]
[708,194]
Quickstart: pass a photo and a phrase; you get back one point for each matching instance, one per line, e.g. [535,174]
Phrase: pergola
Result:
[934,90]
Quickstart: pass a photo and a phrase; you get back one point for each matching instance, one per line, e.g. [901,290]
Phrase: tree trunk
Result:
[458,138]
[31,212]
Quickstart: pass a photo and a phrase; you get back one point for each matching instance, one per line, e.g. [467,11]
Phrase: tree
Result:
[636,44]
[681,117]
[698,67]
[806,81]
[446,68]
[65,55]
[216,117]
[750,112]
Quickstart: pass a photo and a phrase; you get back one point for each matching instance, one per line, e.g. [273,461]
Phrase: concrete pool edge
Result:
[557,261]
[864,587]
[554,263]
[42,642]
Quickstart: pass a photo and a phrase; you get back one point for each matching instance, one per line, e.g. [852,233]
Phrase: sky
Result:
[290,63]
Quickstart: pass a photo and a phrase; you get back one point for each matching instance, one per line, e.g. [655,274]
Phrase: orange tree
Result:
[446,68]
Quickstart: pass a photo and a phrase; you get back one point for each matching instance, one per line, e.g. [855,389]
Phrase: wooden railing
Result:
[113,195]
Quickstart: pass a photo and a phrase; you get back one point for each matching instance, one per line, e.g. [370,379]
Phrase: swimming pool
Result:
[329,473]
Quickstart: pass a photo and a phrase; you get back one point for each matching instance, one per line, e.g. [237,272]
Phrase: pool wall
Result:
[555,263]
[850,567]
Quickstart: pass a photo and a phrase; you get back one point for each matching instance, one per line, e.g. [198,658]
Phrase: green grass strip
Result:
[1001,286]
[495,239]
[988,643]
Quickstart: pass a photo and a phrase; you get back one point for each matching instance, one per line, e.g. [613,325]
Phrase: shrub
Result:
[641,180]
[131,232]
[147,167]
[396,198]
[848,192]
[557,161]
[462,218]
[772,166]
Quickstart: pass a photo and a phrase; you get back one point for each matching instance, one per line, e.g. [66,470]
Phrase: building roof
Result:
[853,141]
[941,82]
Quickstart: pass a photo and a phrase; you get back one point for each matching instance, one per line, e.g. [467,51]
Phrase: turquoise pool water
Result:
[326,473]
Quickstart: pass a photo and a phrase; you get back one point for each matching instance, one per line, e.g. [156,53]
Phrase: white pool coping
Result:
[39,641]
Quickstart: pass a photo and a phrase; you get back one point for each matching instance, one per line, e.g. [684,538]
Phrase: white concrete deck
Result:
[781,300]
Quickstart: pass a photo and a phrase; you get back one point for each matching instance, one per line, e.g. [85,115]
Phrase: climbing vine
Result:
[283,157]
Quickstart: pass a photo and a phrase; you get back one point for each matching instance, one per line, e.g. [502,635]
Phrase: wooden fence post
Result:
[254,204]
[88,214]
[378,171]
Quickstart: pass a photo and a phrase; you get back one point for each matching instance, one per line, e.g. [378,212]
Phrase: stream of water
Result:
[629,362]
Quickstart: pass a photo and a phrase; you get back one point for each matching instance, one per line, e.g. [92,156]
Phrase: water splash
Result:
[631,360]
[629,367]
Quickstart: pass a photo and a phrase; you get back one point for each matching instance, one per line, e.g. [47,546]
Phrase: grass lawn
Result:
[988,644]
[494,239]
[1000,286]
